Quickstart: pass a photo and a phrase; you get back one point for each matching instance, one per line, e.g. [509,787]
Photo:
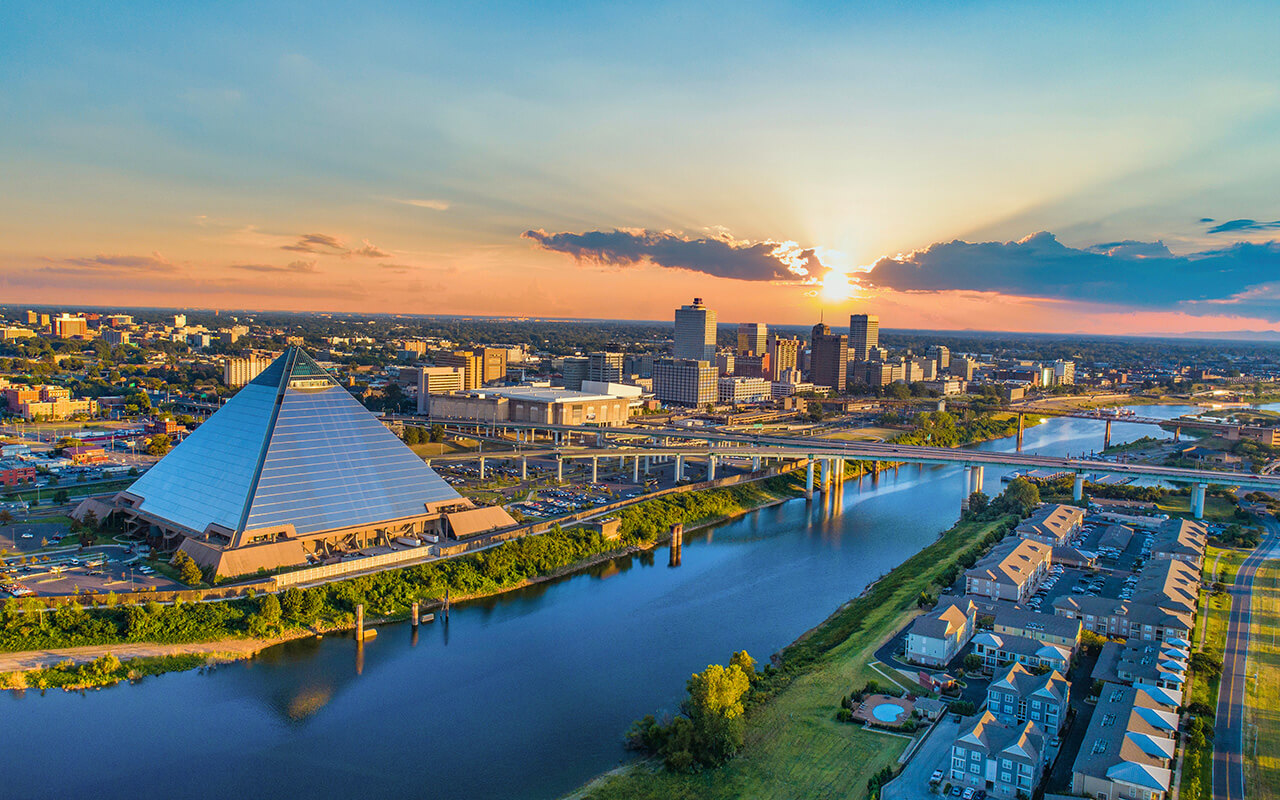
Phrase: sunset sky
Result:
[1077,167]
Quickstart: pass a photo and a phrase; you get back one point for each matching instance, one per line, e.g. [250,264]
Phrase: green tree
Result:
[437,433]
[60,496]
[188,570]
[1020,497]
[160,444]
[5,517]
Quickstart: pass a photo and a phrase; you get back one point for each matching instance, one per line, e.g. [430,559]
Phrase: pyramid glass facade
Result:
[293,447]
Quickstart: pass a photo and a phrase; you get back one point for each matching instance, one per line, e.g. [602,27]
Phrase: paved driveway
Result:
[934,753]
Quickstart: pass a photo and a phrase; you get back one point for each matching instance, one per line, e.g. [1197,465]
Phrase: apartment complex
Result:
[1005,760]
[1011,571]
[1129,746]
[1016,695]
[1052,524]
[937,637]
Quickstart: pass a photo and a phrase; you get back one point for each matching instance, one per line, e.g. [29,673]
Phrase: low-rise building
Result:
[1006,761]
[1010,571]
[1124,618]
[737,389]
[1159,664]
[85,454]
[1180,540]
[1053,524]
[1016,694]
[997,650]
[1012,621]
[14,473]
[1128,748]
[937,637]
[538,404]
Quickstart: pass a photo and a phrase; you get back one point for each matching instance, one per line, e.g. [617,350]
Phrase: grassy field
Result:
[1262,763]
[869,434]
[1216,509]
[794,745]
[1211,631]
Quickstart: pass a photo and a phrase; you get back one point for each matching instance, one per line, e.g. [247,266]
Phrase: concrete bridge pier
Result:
[559,469]
[711,466]
[482,460]
[825,475]
[524,468]
[977,478]
[595,469]
[1020,426]
[1077,488]
[1197,500]
[1177,433]
[635,471]
[755,464]
[1106,436]
[808,480]
[679,467]
[968,488]
[646,465]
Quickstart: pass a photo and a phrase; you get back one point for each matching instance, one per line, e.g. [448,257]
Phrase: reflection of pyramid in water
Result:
[292,448]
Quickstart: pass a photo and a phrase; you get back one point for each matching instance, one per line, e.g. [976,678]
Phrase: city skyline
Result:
[1031,169]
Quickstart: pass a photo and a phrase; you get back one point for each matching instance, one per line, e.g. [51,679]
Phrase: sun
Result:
[836,287]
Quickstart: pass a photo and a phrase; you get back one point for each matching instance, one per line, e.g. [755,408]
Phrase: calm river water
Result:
[522,696]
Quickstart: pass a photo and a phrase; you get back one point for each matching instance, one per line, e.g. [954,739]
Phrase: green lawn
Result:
[1211,629]
[1262,763]
[794,746]
[1216,509]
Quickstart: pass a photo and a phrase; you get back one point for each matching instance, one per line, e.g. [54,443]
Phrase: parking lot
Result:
[27,536]
[99,569]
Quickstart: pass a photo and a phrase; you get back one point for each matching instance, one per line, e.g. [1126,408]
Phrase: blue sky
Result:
[200,142]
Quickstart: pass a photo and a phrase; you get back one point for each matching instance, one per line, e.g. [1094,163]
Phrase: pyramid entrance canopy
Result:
[292,447]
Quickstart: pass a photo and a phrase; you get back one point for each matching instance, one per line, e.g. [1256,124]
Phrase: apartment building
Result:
[1011,571]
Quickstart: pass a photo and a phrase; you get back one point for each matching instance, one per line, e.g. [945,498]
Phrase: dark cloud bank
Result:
[720,256]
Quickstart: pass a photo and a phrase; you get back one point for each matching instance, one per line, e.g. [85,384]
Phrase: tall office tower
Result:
[605,367]
[784,355]
[695,337]
[471,364]
[685,382]
[829,356]
[179,320]
[864,334]
[942,355]
[574,372]
[752,338]
[493,363]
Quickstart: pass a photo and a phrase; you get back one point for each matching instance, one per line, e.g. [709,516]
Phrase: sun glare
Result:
[836,287]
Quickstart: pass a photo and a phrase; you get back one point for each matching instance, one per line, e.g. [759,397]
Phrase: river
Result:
[520,696]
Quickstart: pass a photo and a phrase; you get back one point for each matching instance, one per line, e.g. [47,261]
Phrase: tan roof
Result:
[479,520]
[1011,564]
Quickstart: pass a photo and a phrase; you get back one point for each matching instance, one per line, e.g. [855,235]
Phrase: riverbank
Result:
[331,604]
[794,745]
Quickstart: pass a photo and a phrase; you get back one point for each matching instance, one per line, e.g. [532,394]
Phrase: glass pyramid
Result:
[293,446]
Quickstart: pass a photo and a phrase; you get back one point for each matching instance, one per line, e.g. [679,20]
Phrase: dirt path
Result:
[230,648]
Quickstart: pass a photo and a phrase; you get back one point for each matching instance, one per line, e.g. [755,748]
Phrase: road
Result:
[1228,740]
